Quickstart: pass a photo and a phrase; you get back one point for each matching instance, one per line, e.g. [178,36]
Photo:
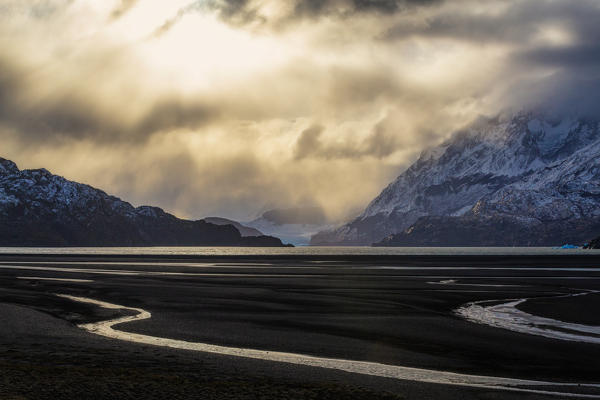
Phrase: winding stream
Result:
[105,328]
[508,316]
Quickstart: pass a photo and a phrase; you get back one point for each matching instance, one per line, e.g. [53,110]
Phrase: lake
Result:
[300,251]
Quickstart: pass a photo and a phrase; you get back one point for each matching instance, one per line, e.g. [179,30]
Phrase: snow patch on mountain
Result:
[532,166]
[38,208]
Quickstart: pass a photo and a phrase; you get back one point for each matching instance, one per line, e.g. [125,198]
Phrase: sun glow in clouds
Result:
[222,107]
[201,51]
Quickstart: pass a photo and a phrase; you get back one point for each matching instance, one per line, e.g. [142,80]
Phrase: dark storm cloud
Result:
[243,12]
[378,144]
[34,119]
[308,143]
[576,57]
[574,85]
[564,93]
[516,23]
[324,7]
[173,113]
[71,114]
[200,142]
[558,39]
[381,143]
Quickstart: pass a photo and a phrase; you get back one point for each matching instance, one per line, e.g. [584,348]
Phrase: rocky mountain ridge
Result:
[38,208]
[244,230]
[535,173]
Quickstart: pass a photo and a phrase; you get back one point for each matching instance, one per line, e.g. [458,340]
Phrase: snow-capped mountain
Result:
[530,171]
[38,208]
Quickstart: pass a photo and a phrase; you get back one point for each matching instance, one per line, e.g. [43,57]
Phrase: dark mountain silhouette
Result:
[244,230]
[38,208]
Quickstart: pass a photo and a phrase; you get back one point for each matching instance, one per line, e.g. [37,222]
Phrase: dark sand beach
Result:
[394,310]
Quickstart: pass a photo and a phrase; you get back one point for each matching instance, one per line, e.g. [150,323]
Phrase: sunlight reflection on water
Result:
[304,250]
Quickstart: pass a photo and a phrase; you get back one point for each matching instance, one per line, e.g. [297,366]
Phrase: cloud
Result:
[516,22]
[277,14]
[123,8]
[308,143]
[48,110]
[168,24]
[350,8]
[317,8]
[383,140]
[579,57]
[227,107]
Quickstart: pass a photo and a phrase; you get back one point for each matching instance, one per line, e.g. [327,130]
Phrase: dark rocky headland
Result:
[38,208]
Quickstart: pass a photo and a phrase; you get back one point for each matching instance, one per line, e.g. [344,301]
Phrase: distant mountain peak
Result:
[294,225]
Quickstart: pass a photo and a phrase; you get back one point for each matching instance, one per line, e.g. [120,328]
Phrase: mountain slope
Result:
[41,209]
[243,229]
[293,225]
[531,172]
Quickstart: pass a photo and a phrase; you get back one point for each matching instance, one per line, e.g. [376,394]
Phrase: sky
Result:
[233,107]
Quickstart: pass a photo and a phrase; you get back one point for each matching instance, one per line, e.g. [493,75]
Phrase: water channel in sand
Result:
[105,328]
[506,315]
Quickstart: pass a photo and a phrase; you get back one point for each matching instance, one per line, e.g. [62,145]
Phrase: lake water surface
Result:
[303,250]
